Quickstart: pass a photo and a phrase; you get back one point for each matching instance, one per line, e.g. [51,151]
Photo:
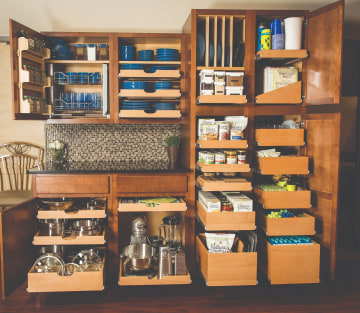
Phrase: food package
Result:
[268,153]
[239,201]
[209,201]
[219,88]
[203,121]
[219,242]
[209,132]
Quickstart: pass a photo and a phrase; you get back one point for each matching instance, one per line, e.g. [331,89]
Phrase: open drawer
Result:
[216,221]
[226,269]
[78,240]
[77,214]
[279,137]
[78,281]
[143,207]
[303,225]
[212,183]
[284,199]
[290,264]
[297,165]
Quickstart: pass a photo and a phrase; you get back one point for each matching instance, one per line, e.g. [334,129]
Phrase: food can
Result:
[206,157]
[220,158]
[241,157]
[224,128]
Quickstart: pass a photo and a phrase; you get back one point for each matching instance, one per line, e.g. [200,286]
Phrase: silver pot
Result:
[139,256]
[51,227]
[87,227]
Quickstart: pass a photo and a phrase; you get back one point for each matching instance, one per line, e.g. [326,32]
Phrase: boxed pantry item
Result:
[237,126]
[219,242]
[204,121]
[206,82]
[234,79]
[209,201]
[240,202]
[219,88]
[234,90]
[219,76]
[209,132]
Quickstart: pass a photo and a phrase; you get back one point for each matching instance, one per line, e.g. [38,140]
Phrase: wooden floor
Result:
[341,295]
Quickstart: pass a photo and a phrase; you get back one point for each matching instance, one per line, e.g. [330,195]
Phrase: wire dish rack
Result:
[72,101]
[78,78]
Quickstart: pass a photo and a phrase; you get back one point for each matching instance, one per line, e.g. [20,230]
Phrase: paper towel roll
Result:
[293,32]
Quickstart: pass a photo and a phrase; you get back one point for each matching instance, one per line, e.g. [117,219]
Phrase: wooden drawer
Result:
[304,225]
[290,264]
[223,184]
[226,269]
[279,137]
[142,207]
[284,199]
[223,168]
[154,183]
[71,184]
[78,240]
[78,281]
[52,214]
[296,165]
[216,221]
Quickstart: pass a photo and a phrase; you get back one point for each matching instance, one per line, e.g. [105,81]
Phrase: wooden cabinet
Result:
[312,98]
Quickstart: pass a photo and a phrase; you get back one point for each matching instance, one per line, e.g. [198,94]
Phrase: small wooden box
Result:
[286,226]
[290,264]
[78,281]
[296,165]
[226,269]
[284,199]
[279,137]
[216,221]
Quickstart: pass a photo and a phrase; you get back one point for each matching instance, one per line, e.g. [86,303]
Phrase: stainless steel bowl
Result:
[51,227]
[139,256]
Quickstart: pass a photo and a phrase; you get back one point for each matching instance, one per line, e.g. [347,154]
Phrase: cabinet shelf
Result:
[223,184]
[210,168]
[222,99]
[76,62]
[222,144]
[221,68]
[304,225]
[291,165]
[286,56]
[160,93]
[78,281]
[284,199]
[131,280]
[221,221]
[226,269]
[52,214]
[290,94]
[145,114]
[279,137]
[24,46]
[175,74]
[78,240]
[162,207]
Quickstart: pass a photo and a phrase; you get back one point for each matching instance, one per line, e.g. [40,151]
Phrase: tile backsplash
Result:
[113,147]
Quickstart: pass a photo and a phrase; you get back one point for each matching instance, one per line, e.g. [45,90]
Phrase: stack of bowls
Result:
[153,69]
[162,85]
[132,66]
[135,85]
[146,55]
[136,105]
[167,54]
[164,106]
[128,53]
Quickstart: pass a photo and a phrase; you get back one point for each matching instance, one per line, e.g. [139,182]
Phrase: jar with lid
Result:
[231,156]
[103,51]
[226,206]
[79,51]
[241,157]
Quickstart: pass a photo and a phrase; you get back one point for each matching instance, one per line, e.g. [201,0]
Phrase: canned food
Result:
[220,158]
[206,157]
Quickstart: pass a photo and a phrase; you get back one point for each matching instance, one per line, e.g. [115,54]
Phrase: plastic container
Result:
[80,53]
[91,51]
[103,51]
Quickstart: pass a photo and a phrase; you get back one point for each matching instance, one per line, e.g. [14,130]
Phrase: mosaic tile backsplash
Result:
[113,147]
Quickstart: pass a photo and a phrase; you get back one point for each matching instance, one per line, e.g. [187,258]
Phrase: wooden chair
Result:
[15,181]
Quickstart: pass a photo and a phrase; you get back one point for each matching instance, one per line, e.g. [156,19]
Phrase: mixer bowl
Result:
[139,256]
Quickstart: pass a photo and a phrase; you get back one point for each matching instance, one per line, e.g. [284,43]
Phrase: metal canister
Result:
[266,39]
[206,157]
[261,27]
[220,158]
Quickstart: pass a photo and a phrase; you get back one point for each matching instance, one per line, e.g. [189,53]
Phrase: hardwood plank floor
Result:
[341,295]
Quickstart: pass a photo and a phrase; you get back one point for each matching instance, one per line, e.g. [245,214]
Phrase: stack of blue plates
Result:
[164,106]
[136,105]
[132,66]
[146,55]
[167,54]
[163,85]
[153,69]
[135,85]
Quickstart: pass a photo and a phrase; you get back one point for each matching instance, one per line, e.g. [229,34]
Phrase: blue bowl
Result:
[134,85]
[163,85]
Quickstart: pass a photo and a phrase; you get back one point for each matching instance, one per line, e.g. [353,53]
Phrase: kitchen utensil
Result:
[51,227]
[54,249]
[71,268]
[86,227]
[87,256]
[47,263]
[172,230]
[165,264]
[139,256]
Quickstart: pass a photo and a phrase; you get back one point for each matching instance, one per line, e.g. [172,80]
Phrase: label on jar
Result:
[231,159]
[241,157]
[219,158]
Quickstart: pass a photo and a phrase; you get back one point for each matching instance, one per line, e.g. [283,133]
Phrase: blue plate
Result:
[200,49]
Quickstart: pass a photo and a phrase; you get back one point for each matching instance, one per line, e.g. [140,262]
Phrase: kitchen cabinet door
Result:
[322,148]
[323,67]
[17,227]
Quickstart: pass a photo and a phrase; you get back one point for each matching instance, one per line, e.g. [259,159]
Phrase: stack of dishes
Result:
[153,69]
[135,85]
[162,85]
[167,54]
[146,55]
[164,106]
[132,66]
[136,105]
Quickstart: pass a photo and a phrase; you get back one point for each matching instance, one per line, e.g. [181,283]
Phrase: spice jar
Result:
[231,156]
[103,51]
[226,206]
[241,157]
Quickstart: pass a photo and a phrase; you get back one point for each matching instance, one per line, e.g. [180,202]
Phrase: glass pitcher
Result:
[171,227]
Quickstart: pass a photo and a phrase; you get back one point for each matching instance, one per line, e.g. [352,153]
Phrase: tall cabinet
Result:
[313,101]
